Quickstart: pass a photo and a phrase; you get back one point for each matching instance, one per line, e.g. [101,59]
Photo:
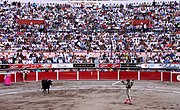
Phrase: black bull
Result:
[46,85]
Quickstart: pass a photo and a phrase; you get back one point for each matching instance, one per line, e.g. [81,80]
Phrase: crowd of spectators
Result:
[71,28]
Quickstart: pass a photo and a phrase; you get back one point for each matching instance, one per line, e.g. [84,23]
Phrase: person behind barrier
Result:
[25,72]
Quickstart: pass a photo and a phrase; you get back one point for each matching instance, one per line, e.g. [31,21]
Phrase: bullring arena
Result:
[88,47]
[90,95]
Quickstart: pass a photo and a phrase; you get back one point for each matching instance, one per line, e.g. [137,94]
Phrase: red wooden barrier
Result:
[1,78]
[128,75]
[31,76]
[67,75]
[110,75]
[88,75]
[93,75]
[47,75]
[13,77]
[175,77]
[166,76]
[19,77]
[150,76]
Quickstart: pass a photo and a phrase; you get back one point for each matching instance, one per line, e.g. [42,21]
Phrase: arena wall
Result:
[96,75]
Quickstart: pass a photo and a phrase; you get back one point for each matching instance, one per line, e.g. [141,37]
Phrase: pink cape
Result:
[7,81]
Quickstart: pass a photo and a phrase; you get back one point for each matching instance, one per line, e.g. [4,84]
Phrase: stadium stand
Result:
[120,33]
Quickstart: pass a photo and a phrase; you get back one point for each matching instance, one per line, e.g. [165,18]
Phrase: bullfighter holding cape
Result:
[128,84]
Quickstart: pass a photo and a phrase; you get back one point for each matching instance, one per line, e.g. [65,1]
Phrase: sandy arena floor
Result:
[90,95]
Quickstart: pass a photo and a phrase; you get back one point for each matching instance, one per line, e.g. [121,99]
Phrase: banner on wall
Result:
[4,66]
[84,65]
[25,21]
[63,65]
[161,66]
[151,66]
[29,66]
[171,66]
[88,65]
[109,65]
